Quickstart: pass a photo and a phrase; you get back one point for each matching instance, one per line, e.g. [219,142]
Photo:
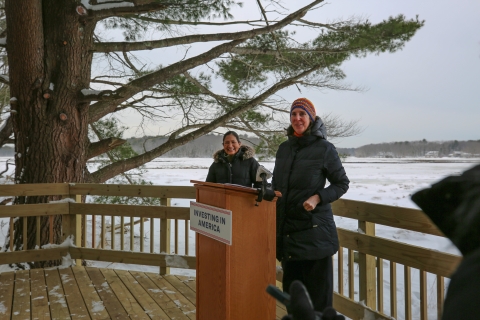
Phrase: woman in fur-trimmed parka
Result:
[234,163]
[306,232]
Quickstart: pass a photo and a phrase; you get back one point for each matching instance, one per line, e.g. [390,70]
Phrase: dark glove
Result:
[302,308]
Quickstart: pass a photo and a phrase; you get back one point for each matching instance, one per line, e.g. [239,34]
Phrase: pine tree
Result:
[58,52]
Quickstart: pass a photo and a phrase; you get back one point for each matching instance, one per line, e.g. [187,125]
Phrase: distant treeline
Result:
[420,148]
[205,146]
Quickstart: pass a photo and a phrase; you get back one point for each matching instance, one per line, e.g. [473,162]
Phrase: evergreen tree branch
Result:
[277,53]
[163,43]
[116,168]
[100,109]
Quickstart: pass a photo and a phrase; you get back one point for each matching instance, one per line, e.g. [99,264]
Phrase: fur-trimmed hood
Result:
[245,152]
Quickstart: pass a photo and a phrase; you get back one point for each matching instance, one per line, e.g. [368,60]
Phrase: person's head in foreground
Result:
[453,204]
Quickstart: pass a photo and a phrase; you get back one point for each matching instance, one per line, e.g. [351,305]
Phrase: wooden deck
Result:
[94,293]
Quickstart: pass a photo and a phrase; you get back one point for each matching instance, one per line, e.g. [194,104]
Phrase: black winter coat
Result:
[241,170]
[302,166]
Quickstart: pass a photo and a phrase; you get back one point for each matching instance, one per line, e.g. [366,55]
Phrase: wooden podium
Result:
[231,279]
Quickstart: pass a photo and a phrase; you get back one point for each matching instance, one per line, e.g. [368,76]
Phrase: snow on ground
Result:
[388,181]
[378,180]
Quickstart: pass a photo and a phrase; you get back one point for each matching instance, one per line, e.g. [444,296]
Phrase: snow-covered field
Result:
[388,181]
[376,180]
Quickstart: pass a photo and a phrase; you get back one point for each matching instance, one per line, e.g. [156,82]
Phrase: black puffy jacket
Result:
[241,170]
[302,167]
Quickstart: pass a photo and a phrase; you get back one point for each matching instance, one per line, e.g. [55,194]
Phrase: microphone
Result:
[261,172]
[265,192]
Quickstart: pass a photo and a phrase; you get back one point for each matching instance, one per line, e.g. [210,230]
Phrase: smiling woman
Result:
[234,163]
[306,232]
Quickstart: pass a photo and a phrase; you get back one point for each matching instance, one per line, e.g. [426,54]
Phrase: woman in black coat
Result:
[234,163]
[306,232]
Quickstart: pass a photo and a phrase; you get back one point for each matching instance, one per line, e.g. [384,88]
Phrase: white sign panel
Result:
[211,221]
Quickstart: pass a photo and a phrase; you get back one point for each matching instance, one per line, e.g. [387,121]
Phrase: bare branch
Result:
[195,23]
[220,100]
[107,82]
[7,164]
[326,26]
[338,128]
[97,133]
[141,6]
[6,131]
[164,43]
[6,201]
[130,64]
[4,79]
[102,146]
[92,95]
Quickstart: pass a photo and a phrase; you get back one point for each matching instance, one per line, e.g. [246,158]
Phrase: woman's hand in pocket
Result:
[311,202]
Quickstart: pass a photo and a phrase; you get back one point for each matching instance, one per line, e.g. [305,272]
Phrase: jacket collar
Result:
[245,152]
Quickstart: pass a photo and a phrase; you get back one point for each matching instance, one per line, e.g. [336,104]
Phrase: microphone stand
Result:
[265,192]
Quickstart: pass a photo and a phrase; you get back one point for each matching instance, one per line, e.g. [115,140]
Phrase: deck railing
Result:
[105,232]
[118,233]
[376,254]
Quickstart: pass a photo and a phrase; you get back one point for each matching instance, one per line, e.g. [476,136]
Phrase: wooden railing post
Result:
[72,225]
[367,268]
[165,235]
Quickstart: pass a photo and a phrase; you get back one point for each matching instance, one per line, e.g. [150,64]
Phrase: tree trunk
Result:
[49,62]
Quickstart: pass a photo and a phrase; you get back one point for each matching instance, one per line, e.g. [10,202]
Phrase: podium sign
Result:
[231,279]
[212,222]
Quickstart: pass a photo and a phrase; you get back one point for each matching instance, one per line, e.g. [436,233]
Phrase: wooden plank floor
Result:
[94,293]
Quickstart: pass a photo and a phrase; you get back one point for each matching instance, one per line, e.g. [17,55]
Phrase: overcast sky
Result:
[429,90]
